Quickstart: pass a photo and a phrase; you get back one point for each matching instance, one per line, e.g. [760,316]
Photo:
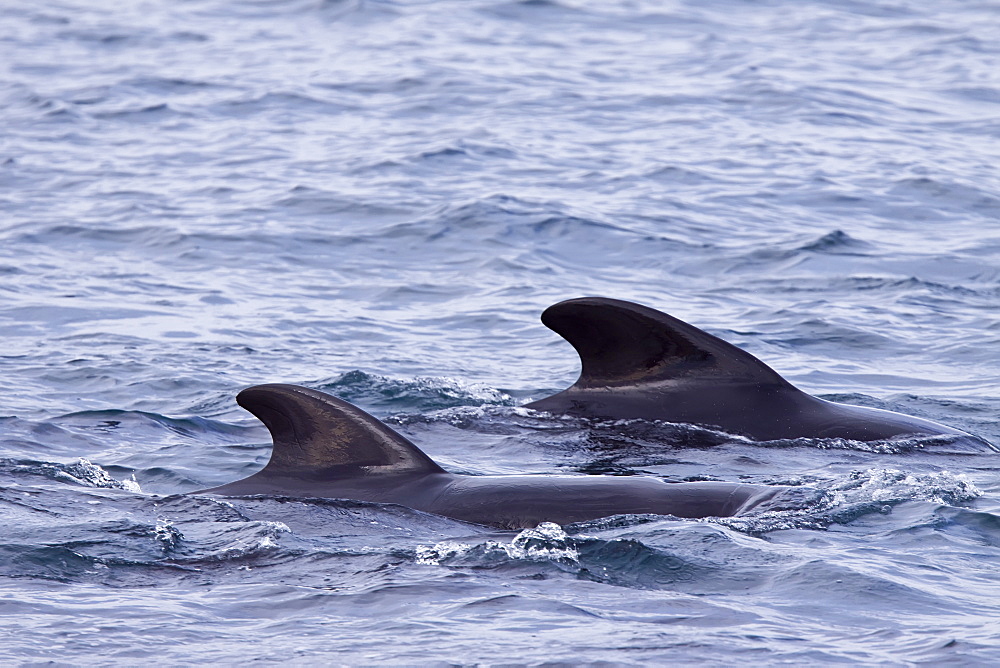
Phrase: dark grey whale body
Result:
[325,447]
[642,363]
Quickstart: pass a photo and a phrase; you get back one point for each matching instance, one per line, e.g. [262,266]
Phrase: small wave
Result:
[985,526]
[276,9]
[497,418]
[215,542]
[533,11]
[142,113]
[283,102]
[104,236]
[623,562]
[611,435]
[545,542]
[938,192]
[111,420]
[103,557]
[608,434]
[316,202]
[417,394]
[46,562]
[941,444]
[510,221]
[80,473]
[173,86]
[837,241]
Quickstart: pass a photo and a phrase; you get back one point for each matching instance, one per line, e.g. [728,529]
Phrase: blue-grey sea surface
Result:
[377,198]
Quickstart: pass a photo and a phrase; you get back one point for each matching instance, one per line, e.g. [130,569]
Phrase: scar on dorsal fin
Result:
[622,343]
[316,435]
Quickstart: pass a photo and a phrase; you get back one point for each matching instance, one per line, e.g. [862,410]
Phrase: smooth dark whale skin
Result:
[325,447]
[641,363]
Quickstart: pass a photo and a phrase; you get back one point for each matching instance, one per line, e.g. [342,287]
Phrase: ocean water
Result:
[378,198]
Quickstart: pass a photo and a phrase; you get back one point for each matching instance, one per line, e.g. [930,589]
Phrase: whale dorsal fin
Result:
[622,343]
[319,436]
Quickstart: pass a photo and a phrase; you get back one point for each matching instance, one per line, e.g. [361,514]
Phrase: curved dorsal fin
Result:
[622,343]
[316,435]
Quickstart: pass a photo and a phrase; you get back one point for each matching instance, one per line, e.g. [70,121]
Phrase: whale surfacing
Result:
[325,447]
[641,363]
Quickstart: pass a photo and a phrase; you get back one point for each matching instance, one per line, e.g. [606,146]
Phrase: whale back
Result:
[317,436]
[623,344]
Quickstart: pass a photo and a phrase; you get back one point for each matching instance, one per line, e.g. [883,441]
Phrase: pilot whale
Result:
[325,447]
[641,363]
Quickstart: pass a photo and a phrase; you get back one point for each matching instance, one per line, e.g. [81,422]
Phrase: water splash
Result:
[875,490]
[545,542]
[887,485]
[433,555]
